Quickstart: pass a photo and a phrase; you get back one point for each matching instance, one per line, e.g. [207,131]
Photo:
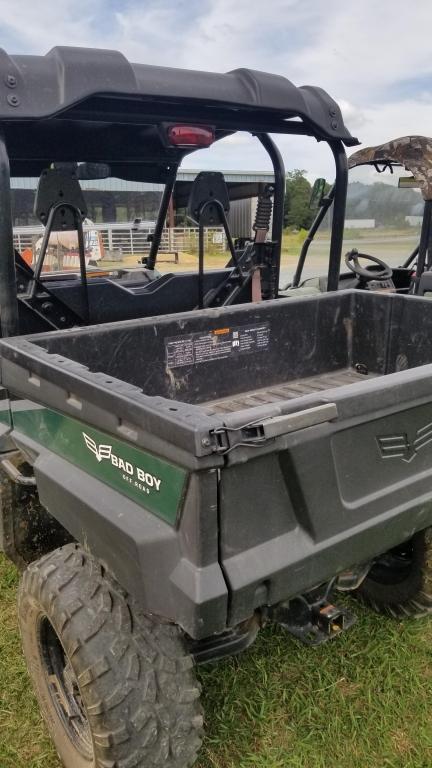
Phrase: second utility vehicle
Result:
[397,203]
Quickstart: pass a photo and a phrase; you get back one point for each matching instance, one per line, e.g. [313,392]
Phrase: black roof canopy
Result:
[93,104]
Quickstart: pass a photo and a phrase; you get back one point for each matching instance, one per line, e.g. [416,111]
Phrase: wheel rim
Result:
[64,689]
[393,566]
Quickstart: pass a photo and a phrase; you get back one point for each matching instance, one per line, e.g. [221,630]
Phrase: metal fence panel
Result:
[124,239]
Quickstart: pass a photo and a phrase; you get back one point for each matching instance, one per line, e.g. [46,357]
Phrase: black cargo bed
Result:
[172,383]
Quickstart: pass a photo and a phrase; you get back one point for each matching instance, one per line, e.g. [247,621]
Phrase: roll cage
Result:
[93,106]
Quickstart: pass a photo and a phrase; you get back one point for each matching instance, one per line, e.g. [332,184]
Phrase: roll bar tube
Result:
[161,218]
[339,206]
[9,320]
[310,236]
[423,257]
[337,196]
[279,196]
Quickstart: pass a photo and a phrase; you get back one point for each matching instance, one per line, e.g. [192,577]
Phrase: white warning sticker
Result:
[217,344]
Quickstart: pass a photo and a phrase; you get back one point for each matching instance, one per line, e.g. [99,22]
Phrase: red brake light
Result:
[191,135]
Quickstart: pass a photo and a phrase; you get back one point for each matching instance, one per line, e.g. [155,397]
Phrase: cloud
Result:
[374,57]
[365,47]
[352,115]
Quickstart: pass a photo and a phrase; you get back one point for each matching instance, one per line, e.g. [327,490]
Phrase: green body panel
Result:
[155,484]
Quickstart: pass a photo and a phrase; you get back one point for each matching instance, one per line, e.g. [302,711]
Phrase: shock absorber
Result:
[261,227]
[263,214]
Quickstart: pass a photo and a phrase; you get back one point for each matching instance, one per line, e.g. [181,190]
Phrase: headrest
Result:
[56,187]
[206,188]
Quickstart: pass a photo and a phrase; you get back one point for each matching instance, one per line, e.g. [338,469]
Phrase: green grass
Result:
[23,741]
[362,701]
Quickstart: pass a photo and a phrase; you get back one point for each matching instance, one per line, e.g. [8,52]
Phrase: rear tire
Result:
[117,688]
[399,583]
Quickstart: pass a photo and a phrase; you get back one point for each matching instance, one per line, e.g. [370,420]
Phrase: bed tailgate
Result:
[350,478]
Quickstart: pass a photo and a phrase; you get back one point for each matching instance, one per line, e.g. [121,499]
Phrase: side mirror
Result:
[317,194]
[408,182]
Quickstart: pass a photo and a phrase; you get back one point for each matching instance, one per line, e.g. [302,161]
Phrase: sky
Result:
[372,56]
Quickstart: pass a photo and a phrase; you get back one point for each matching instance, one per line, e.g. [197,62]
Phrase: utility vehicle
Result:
[186,457]
[408,212]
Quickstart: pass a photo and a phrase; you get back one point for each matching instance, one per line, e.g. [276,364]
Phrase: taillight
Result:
[191,135]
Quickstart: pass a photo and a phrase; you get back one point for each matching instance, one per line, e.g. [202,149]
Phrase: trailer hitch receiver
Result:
[312,619]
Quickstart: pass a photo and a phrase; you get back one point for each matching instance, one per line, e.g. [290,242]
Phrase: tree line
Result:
[385,203]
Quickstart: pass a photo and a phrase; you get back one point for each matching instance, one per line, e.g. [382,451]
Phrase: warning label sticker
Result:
[216,345]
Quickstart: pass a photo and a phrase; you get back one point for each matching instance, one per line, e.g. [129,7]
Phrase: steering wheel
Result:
[365,273]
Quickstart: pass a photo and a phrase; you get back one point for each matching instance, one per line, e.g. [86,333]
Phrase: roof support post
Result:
[160,222]
[8,291]
[278,199]
[339,205]
[424,245]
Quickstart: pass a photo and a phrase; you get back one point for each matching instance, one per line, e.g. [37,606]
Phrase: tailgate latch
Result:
[255,433]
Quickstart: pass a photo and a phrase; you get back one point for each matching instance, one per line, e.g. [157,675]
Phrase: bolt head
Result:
[13,100]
